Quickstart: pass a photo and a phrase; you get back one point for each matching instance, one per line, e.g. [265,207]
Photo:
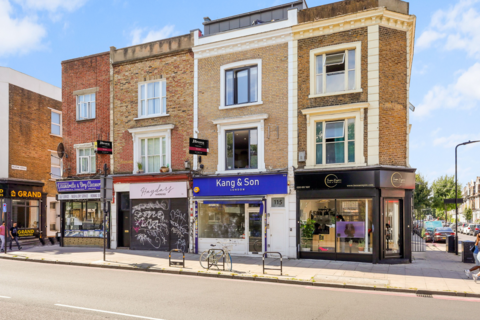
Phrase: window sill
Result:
[240,171]
[240,105]
[55,135]
[335,165]
[82,120]
[312,96]
[150,117]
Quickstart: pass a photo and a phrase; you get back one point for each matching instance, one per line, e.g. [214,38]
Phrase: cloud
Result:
[18,36]
[459,26]
[463,94]
[51,5]
[455,139]
[138,36]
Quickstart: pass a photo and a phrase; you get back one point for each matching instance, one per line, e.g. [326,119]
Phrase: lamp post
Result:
[456,192]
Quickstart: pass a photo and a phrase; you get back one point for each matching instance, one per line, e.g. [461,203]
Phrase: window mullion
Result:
[324,143]
[346,70]
[324,75]
[345,134]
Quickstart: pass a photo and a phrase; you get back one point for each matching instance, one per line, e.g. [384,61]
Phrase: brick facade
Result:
[304,102]
[80,74]
[177,70]
[393,89]
[393,97]
[29,136]
[274,97]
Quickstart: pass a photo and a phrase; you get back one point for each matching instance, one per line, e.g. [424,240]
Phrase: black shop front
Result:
[21,202]
[362,215]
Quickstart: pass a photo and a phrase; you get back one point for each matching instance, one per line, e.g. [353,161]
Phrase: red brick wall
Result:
[177,70]
[29,135]
[78,74]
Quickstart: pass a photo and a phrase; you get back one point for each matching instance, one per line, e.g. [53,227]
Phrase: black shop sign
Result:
[198,147]
[103,147]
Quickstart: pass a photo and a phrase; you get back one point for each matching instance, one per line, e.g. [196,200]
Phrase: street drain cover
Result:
[424,295]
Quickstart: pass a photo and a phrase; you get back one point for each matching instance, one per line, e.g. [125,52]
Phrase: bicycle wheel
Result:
[228,262]
[204,259]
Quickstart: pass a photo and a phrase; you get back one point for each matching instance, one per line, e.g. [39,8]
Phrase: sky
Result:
[36,35]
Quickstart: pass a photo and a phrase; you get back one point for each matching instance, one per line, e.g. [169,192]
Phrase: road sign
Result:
[4,207]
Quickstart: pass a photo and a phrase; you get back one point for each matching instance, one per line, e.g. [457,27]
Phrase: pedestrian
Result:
[477,260]
[2,236]
[14,236]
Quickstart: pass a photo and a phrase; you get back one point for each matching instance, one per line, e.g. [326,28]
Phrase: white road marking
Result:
[110,312]
[4,297]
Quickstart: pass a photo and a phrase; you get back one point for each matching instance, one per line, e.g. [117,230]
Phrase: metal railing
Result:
[418,243]
[275,269]
[176,263]
[211,262]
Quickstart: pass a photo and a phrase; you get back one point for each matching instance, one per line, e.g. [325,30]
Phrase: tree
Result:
[444,188]
[468,214]
[422,194]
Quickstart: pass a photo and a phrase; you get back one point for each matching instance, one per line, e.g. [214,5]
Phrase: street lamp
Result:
[456,192]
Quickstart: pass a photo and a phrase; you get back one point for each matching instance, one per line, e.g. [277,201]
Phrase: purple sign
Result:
[350,229]
[78,185]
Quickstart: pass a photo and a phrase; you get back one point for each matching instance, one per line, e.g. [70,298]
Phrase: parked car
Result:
[440,234]
[466,230]
[464,227]
[473,228]
[428,236]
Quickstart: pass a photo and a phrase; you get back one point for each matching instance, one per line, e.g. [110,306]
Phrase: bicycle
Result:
[215,256]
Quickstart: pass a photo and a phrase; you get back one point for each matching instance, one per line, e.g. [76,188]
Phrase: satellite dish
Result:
[60,150]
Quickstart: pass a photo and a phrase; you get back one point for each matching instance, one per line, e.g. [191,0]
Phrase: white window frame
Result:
[238,123]
[79,118]
[55,177]
[326,114]
[324,142]
[155,115]
[235,65]
[83,146]
[52,123]
[159,131]
[161,155]
[340,48]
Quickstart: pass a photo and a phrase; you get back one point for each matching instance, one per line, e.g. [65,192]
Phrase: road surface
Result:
[43,291]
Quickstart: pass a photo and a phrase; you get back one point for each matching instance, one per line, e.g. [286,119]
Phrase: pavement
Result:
[433,272]
[45,291]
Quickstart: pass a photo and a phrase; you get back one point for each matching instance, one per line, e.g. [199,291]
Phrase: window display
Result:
[26,213]
[342,226]
[83,219]
[221,221]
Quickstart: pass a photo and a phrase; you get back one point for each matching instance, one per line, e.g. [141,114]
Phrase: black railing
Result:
[176,263]
[275,269]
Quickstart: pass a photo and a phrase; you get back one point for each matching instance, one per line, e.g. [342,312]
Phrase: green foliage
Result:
[444,188]
[308,228]
[468,214]
[422,193]
[140,166]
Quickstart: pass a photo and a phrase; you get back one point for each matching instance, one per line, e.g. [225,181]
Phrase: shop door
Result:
[124,221]
[392,228]
[255,231]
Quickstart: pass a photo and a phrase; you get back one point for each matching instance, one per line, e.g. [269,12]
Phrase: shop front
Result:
[151,212]
[360,215]
[240,212]
[81,214]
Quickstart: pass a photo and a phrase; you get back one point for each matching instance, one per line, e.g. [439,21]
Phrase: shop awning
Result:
[232,201]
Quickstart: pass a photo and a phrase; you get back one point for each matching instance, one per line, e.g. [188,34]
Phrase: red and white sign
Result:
[158,190]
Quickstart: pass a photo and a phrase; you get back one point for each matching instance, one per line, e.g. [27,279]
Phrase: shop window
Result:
[86,106]
[241,85]
[86,160]
[56,125]
[341,226]
[335,142]
[26,213]
[152,99]
[221,221]
[153,154]
[83,219]
[335,69]
[242,149]
[55,166]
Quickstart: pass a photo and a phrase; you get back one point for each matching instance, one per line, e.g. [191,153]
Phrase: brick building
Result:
[30,126]
[471,199]
[354,183]
[86,107]
[243,99]
[152,120]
